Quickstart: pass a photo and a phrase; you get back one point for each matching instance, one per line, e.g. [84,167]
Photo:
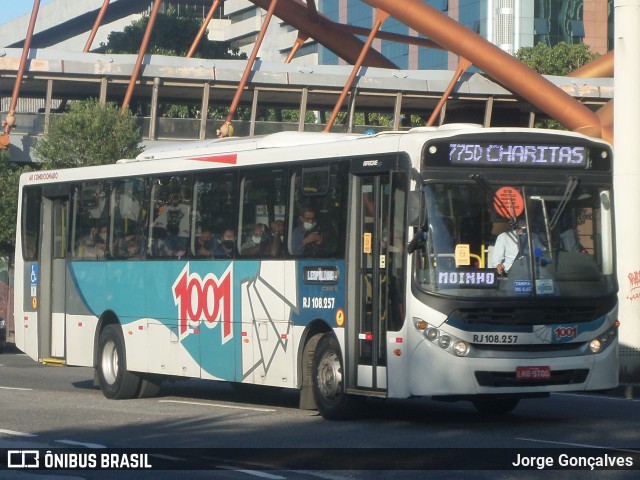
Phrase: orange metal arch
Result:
[442,31]
[331,34]
[600,67]
[501,66]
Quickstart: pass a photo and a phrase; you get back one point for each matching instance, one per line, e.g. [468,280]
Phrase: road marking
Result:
[81,444]
[17,434]
[235,407]
[601,397]
[581,445]
[16,388]
[262,474]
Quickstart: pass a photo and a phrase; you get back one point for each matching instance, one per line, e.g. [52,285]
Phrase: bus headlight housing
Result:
[445,341]
[602,341]
[431,333]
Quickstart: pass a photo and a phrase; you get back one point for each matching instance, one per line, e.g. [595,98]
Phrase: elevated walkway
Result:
[53,77]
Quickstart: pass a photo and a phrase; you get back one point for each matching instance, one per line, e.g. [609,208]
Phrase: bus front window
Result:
[516,241]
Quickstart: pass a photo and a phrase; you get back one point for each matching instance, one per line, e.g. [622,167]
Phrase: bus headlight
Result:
[431,334]
[444,341]
[595,345]
[460,348]
[602,341]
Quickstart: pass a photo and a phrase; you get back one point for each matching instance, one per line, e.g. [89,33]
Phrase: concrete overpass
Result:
[53,76]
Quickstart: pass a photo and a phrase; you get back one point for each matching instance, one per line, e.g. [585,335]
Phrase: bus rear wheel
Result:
[332,401]
[115,381]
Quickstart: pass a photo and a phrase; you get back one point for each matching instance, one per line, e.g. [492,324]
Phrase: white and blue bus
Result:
[341,265]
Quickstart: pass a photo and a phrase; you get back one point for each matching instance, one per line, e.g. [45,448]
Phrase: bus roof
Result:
[257,150]
[241,144]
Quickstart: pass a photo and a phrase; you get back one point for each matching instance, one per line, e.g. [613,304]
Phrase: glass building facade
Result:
[509,24]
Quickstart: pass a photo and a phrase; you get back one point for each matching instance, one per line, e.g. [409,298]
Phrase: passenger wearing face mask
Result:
[513,244]
[226,247]
[204,244]
[259,243]
[306,239]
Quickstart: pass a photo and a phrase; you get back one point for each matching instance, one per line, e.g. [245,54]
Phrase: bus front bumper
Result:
[435,372]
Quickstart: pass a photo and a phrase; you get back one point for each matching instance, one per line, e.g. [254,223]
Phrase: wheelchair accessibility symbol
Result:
[33,280]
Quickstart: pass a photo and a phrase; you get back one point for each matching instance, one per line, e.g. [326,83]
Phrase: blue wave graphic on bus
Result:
[203,337]
[219,311]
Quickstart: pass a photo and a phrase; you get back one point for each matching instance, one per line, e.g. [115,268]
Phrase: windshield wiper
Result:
[505,211]
[572,184]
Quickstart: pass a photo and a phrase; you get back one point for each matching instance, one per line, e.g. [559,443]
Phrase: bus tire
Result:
[332,401]
[115,381]
[491,405]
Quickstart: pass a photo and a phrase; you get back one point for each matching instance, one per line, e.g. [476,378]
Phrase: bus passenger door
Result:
[373,281]
[52,294]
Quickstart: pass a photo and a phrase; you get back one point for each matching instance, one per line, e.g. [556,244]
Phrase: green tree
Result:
[9,177]
[89,134]
[560,59]
[171,35]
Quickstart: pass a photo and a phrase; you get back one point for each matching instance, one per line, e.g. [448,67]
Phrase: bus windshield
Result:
[505,240]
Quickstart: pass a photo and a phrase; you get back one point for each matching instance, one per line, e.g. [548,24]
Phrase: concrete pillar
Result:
[627,181]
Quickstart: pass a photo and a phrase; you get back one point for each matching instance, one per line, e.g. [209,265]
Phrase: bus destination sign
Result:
[519,155]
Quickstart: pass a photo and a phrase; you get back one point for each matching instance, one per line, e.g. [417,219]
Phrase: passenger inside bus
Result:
[225,247]
[277,235]
[511,245]
[259,243]
[132,247]
[126,246]
[171,226]
[101,242]
[306,238]
[92,246]
[204,243]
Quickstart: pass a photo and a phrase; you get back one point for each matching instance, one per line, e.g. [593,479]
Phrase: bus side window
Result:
[215,219]
[128,215]
[262,213]
[32,199]
[89,239]
[317,216]
[171,207]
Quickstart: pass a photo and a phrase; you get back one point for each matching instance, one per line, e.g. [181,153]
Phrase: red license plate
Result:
[533,373]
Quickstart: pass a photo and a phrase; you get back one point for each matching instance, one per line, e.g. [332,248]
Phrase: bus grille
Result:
[543,348]
[526,316]
[508,379]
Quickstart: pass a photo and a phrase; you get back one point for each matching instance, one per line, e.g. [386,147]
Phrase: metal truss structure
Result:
[344,40]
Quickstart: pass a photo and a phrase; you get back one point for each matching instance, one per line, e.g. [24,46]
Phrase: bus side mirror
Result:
[416,208]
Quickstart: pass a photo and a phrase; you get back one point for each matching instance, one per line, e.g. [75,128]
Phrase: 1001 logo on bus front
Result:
[207,300]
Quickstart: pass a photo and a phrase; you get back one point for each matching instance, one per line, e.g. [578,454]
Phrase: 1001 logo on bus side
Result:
[206,300]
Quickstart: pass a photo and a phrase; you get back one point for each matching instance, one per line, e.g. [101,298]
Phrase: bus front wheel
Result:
[115,381]
[332,401]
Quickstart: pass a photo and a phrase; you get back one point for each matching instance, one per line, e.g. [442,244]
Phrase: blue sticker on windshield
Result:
[522,286]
